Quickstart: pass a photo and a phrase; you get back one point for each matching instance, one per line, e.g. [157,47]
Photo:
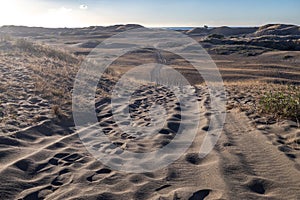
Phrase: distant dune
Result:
[223,30]
[39,31]
[269,29]
[278,29]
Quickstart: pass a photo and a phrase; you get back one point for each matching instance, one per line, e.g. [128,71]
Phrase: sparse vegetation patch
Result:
[282,103]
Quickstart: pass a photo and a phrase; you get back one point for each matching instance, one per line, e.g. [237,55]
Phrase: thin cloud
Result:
[83,7]
[60,10]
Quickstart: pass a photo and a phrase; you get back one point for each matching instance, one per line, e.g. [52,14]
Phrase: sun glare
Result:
[23,13]
[9,12]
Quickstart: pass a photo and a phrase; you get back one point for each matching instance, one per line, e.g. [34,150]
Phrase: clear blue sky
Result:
[75,13]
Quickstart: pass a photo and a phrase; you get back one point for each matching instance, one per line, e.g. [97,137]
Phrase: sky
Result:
[150,13]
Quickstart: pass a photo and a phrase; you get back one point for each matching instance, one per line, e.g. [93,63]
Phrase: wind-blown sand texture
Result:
[42,156]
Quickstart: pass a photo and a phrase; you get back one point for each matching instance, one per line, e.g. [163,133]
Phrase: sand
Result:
[43,157]
[49,161]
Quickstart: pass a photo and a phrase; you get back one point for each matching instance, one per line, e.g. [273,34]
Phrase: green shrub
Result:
[282,104]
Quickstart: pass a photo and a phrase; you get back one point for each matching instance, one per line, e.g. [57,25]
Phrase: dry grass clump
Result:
[52,72]
[217,36]
[282,103]
[34,49]
[278,101]
[58,112]
[42,50]
[5,37]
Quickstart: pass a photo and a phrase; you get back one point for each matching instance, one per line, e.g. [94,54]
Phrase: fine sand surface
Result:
[43,157]
[49,161]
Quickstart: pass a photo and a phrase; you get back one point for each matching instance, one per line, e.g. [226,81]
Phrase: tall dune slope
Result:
[278,29]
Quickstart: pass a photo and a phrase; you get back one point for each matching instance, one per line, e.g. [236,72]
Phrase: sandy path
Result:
[253,168]
[48,161]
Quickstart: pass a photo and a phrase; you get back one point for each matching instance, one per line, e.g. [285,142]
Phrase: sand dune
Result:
[278,29]
[43,156]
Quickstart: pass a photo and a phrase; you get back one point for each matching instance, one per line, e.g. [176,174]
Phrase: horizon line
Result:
[150,26]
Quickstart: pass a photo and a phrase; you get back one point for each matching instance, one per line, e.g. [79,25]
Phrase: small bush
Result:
[282,104]
[25,45]
[57,111]
[5,38]
[216,36]
[286,57]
